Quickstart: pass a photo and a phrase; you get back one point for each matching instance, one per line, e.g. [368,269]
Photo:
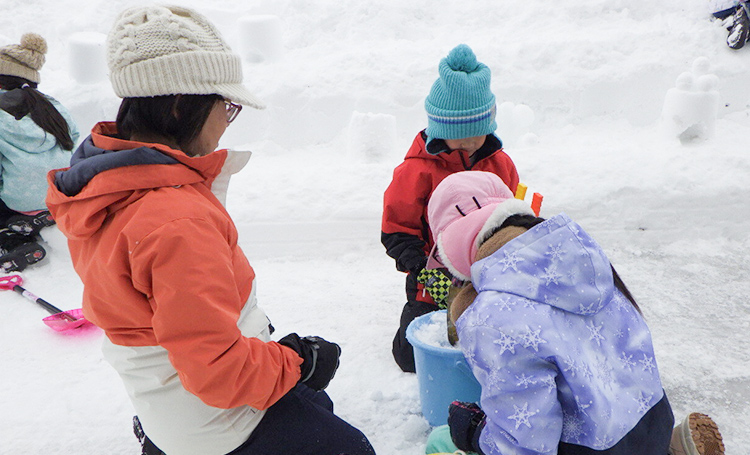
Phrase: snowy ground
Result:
[595,73]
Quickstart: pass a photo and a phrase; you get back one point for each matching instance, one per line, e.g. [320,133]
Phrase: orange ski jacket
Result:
[159,260]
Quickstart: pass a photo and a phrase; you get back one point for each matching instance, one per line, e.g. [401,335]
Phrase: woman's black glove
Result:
[466,421]
[320,359]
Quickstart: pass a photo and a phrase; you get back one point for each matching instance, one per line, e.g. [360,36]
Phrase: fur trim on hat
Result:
[498,217]
[467,294]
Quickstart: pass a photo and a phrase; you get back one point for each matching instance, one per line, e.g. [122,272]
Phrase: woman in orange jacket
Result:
[163,274]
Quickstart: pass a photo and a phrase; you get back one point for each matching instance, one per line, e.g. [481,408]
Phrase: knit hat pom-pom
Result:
[462,58]
[34,42]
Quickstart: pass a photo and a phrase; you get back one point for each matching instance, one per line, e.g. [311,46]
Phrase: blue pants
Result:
[302,423]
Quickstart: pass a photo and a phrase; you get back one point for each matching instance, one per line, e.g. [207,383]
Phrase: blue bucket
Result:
[443,374]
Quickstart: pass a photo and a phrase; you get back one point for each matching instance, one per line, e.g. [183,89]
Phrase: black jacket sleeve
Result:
[406,249]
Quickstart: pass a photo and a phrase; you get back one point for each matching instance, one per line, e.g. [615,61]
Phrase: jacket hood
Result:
[107,174]
[20,131]
[556,263]
[428,148]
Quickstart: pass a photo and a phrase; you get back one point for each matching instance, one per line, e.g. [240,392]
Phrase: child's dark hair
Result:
[24,99]
[179,117]
[528,221]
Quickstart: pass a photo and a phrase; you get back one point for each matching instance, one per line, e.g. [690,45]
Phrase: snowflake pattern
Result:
[495,378]
[586,371]
[596,333]
[643,402]
[549,381]
[627,361]
[531,339]
[550,275]
[593,349]
[572,428]
[621,302]
[551,301]
[510,261]
[504,303]
[479,320]
[581,406]
[605,373]
[525,381]
[555,252]
[505,343]
[648,363]
[604,442]
[522,415]
[570,365]
[590,309]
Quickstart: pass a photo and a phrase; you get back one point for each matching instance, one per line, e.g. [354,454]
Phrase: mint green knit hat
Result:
[460,103]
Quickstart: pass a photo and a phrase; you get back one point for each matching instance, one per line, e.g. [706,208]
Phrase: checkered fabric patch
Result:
[437,284]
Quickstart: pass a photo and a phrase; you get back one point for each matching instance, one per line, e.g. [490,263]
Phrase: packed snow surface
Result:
[604,106]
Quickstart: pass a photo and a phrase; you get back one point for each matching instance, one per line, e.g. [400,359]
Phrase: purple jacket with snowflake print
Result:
[562,356]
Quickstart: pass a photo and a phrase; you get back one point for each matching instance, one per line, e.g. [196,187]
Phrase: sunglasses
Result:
[233,110]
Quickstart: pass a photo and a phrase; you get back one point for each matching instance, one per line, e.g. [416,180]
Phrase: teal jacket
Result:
[27,153]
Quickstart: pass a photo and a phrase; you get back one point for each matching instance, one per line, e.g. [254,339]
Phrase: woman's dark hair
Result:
[178,117]
[24,99]
[528,222]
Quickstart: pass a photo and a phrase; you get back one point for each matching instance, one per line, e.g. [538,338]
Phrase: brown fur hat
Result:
[466,295]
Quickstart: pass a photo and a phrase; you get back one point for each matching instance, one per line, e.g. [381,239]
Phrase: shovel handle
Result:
[43,303]
[38,300]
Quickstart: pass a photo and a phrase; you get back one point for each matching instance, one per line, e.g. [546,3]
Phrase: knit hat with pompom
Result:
[24,60]
[169,50]
[460,103]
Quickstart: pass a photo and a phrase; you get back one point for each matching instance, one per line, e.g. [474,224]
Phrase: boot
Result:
[738,31]
[18,251]
[698,434]
[30,224]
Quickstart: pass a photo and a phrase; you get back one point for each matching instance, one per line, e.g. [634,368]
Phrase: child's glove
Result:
[466,421]
[320,359]
[437,284]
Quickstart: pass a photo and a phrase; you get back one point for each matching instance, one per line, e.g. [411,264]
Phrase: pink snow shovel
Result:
[60,320]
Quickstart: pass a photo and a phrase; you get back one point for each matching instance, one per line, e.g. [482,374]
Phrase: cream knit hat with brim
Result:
[169,50]
[25,59]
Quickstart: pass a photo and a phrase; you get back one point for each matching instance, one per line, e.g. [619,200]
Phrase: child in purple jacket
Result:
[555,339]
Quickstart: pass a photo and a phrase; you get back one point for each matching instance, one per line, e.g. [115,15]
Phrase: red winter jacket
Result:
[405,229]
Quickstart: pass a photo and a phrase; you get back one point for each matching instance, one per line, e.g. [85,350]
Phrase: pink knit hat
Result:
[463,209]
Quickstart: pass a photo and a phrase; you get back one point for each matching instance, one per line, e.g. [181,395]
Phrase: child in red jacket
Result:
[459,136]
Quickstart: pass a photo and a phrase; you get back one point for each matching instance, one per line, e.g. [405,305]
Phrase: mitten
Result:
[466,421]
[415,263]
[437,284]
[320,359]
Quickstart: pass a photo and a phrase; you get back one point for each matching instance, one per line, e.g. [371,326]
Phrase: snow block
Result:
[87,59]
[513,121]
[691,107]
[260,38]
[371,137]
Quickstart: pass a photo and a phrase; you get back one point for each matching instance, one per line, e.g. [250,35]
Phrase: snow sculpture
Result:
[87,57]
[260,38]
[691,107]
[514,122]
[371,137]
